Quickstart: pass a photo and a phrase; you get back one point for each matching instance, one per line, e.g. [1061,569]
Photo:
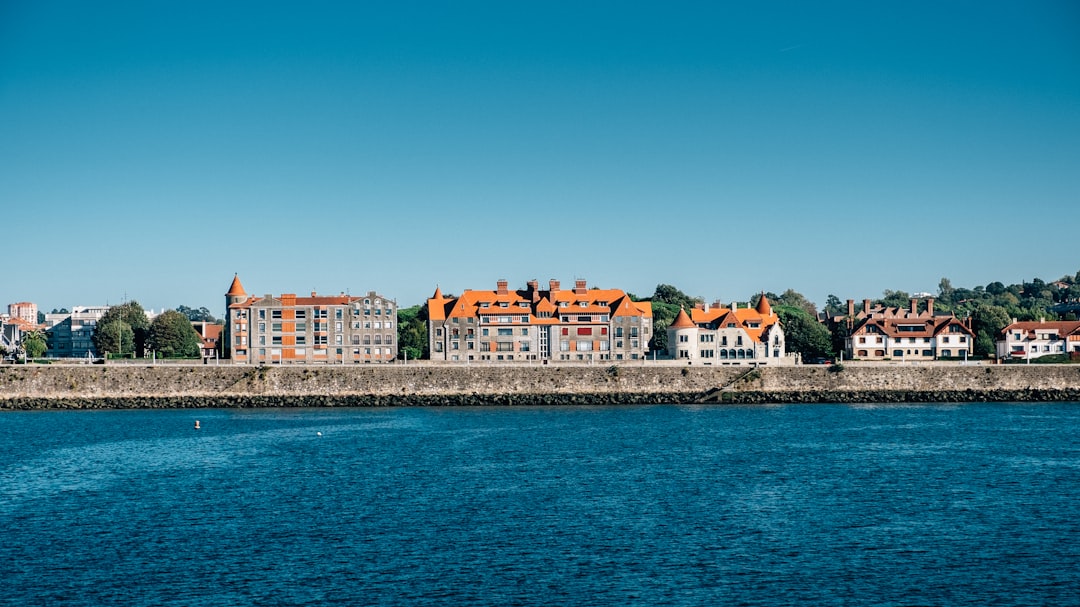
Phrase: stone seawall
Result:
[169,386]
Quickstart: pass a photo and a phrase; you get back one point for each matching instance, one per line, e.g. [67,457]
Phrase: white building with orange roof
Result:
[1032,339]
[906,334]
[287,329]
[715,335]
[561,325]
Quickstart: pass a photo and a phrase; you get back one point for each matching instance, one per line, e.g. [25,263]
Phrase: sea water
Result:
[973,504]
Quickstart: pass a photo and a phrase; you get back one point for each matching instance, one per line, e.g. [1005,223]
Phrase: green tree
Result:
[987,321]
[663,315]
[35,344]
[200,315]
[803,333]
[670,295]
[135,317]
[413,332]
[172,336]
[794,299]
[895,299]
[114,337]
[834,307]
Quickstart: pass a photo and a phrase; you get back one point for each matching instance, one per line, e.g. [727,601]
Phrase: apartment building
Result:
[911,334]
[287,329]
[715,335]
[567,325]
[69,335]
[25,310]
[1033,339]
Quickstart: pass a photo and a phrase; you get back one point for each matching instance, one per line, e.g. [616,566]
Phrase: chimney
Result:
[502,284]
[866,306]
[914,306]
[534,290]
[851,307]
[553,286]
[313,294]
[579,287]
[705,307]
[930,306]
[734,305]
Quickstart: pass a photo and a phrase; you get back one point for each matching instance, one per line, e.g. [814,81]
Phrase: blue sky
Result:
[150,150]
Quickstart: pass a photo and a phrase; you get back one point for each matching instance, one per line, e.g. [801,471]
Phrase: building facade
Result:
[715,335]
[564,325]
[25,310]
[69,335]
[287,329]
[1027,340]
[911,334]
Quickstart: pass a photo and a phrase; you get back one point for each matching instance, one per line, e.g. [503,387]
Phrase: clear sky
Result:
[150,150]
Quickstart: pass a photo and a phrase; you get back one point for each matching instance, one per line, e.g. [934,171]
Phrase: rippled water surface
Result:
[798,505]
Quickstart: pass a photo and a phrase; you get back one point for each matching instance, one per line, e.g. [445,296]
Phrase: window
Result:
[275,326]
[275,314]
[301,314]
[618,332]
[506,331]
[262,327]
[525,330]
[564,345]
[684,338]
[505,346]
[584,346]
[301,340]
[584,331]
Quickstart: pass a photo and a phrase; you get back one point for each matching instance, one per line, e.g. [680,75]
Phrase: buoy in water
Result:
[318,433]
[196,424]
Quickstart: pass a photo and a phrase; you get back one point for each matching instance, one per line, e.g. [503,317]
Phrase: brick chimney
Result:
[534,290]
[914,306]
[502,286]
[930,306]
[866,306]
[579,287]
[553,286]
[851,307]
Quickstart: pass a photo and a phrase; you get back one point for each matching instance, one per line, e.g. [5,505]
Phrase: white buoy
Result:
[196,424]
[318,433]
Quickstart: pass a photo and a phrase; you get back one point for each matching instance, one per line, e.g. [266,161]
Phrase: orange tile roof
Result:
[236,288]
[682,321]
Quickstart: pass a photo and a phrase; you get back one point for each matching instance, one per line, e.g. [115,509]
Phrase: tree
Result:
[115,337]
[670,295]
[803,333]
[945,291]
[663,315]
[172,336]
[200,315]
[412,332]
[794,299]
[35,344]
[833,306]
[135,317]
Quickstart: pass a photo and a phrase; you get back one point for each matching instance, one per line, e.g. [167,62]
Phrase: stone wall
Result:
[125,385]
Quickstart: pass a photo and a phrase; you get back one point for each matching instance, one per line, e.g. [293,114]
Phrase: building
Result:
[69,334]
[12,331]
[340,329]
[715,335]
[579,324]
[211,337]
[24,310]
[905,334]
[1033,339]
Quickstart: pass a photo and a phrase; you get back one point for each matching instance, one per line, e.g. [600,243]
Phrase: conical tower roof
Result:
[682,321]
[236,289]
[763,306]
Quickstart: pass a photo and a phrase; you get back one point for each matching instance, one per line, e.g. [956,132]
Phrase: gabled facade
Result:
[715,335]
[1038,338]
[906,334]
[288,329]
[562,325]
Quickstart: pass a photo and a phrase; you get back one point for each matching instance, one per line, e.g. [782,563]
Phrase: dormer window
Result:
[503,304]
[485,304]
[583,304]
